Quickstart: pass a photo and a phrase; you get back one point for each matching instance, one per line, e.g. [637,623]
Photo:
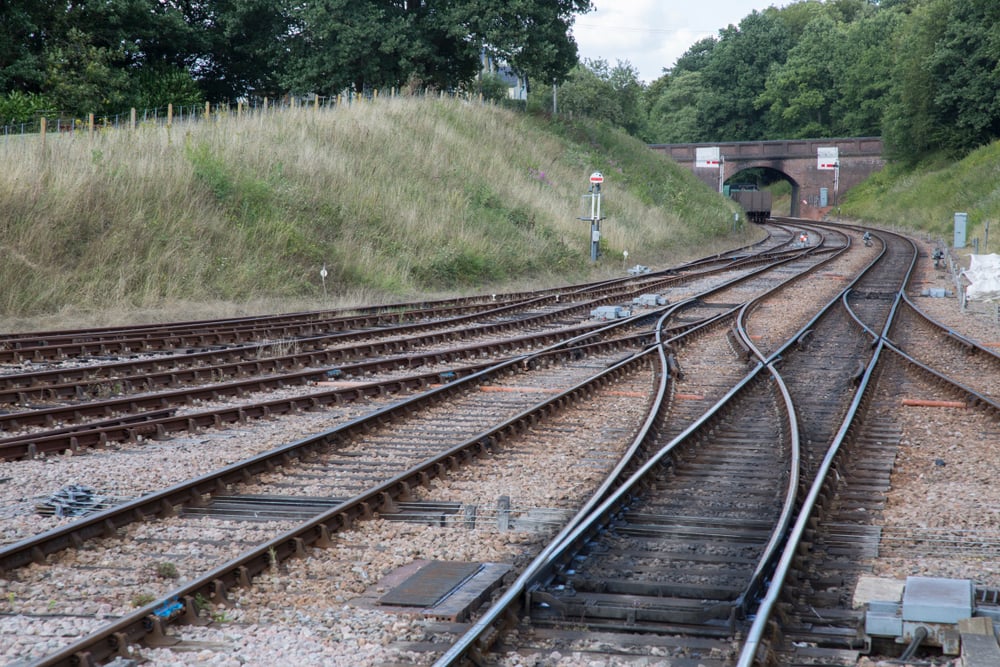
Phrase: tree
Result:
[865,73]
[736,74]
[83,77]
[88,55]
[799,94]
[910,126]
[346,43]
[22,45]
[611,94]
[532,36]
[673,114]
[965,64]
[697,57]
[243,47]
[440,43]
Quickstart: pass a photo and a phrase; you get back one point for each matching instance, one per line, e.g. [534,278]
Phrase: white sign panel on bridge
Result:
[706,158]
[827,157]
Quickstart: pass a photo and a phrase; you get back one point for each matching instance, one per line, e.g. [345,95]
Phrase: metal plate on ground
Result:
[430,584]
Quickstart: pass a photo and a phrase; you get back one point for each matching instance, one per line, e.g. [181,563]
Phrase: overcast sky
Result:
[652,34]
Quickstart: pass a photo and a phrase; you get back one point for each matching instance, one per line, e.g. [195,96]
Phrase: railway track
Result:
[139,512]
[635,574]
[136,382]
[346,463]
[820,365]
[853,537]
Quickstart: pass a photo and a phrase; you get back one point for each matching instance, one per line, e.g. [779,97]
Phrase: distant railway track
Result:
[139,384]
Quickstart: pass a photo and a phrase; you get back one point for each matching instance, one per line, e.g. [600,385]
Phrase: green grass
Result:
[927,197]
[397,198]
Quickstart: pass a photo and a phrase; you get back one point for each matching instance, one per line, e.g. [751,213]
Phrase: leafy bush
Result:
[159,87]
[492,87]
[17,107]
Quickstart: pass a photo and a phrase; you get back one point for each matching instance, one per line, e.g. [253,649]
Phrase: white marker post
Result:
[323,274]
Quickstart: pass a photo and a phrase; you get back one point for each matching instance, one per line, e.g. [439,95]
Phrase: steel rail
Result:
[161,423]
[345,313]
[235,362]
[476,639]
[209,334]
[38,546]
[277,319]
[753,649]
[349,313]
[488,625]
[153,376]
[145,622]
[32,444]
[950,334]
[134,345]
[973,397]
[114,639]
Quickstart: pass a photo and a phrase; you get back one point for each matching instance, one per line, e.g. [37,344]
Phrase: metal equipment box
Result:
[935,600]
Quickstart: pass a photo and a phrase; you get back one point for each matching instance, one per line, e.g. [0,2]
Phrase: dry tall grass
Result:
[396,197]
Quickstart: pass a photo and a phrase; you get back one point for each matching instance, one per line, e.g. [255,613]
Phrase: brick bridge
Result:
[796,161]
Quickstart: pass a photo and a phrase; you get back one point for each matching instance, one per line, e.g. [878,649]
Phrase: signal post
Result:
[596,179]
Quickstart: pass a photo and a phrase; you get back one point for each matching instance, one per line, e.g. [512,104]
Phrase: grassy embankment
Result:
[397,198]
[926,198]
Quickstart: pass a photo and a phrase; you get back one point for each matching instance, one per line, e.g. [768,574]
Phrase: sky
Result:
[653,34]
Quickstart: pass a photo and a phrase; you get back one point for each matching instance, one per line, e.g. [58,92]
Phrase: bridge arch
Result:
[796,160]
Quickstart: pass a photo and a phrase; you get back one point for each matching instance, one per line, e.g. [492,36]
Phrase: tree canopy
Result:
[923,74]
[105,55]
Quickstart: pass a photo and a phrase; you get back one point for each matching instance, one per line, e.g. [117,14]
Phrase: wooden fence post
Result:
[131,118]
[41,130]
[170,114]
[208,110]
[90,126]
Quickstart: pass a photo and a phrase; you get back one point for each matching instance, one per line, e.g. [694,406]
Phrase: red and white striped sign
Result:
[827,157]
[707,158]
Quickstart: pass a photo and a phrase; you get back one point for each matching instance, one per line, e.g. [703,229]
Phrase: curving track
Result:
[756,481]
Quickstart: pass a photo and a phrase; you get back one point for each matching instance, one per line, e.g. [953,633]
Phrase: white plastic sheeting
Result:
[983,275]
